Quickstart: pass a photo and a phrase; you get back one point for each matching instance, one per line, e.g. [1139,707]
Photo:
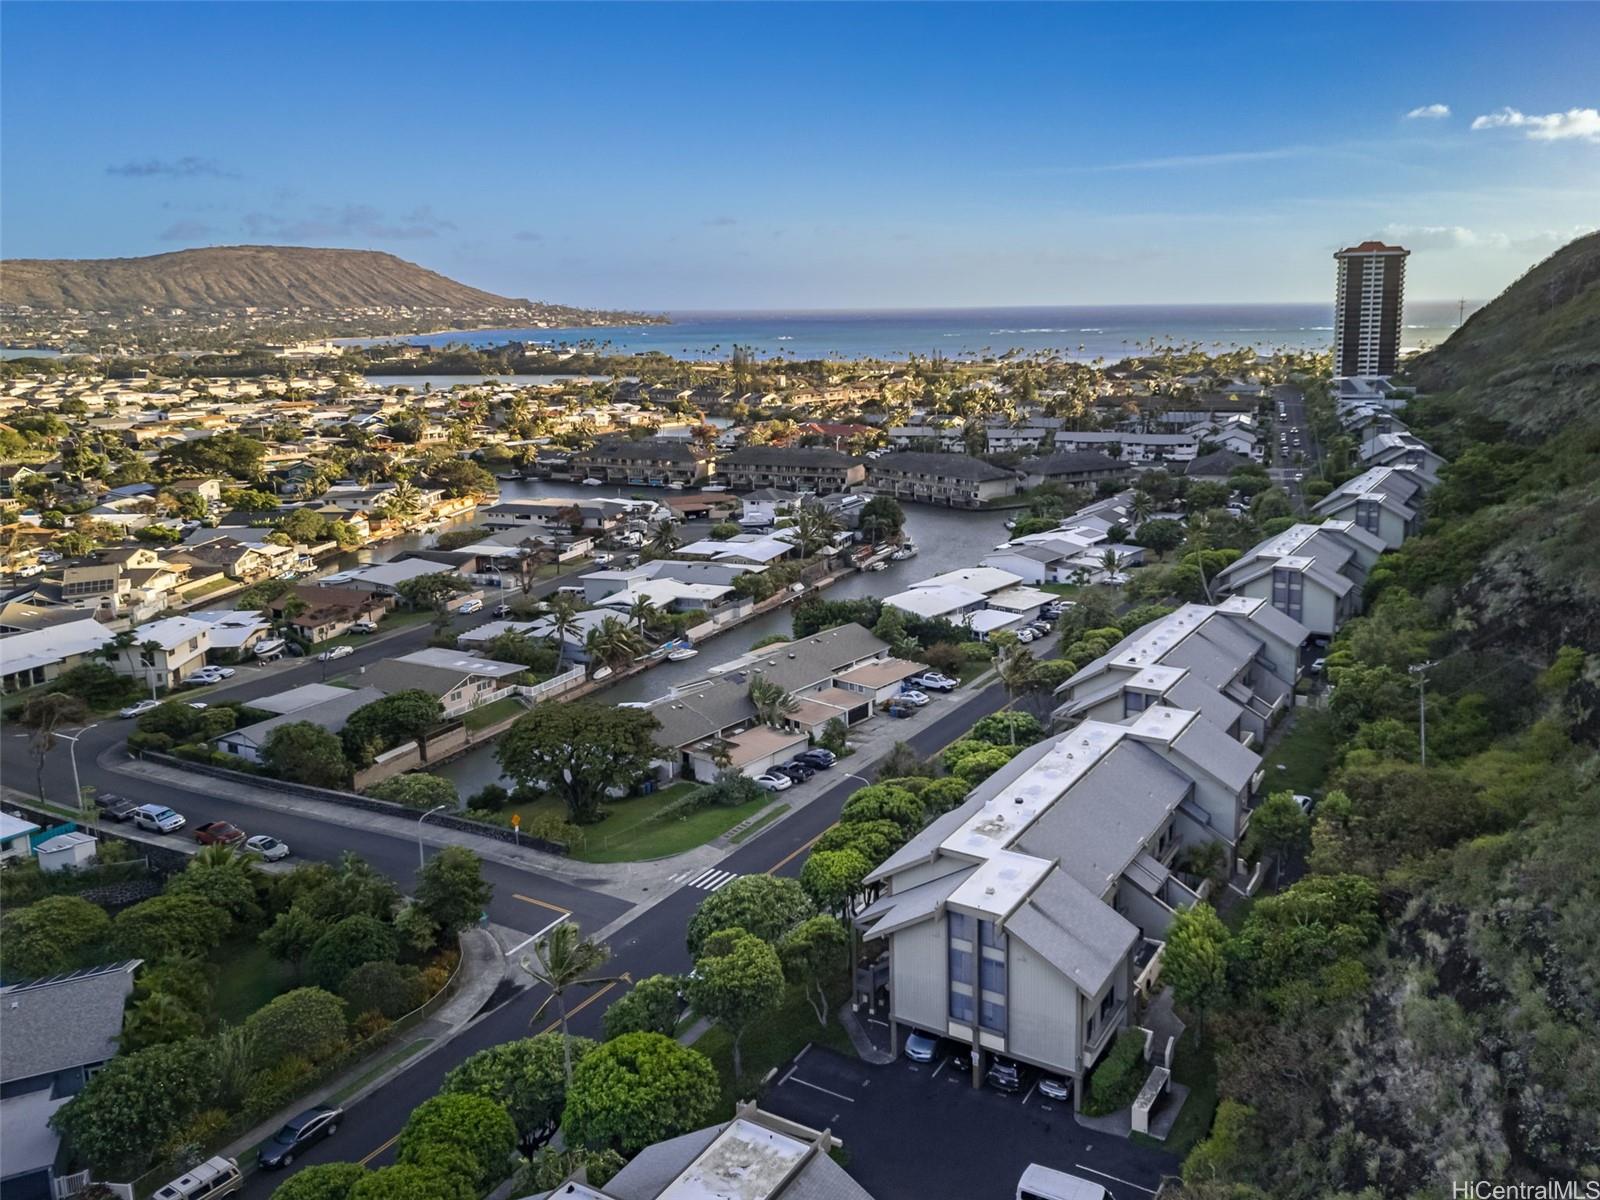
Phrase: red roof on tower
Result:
[1372,248]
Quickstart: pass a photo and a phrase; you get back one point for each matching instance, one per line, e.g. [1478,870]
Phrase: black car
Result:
[1006,1076]
[796,770]
[298,1135]
[817,758]
[114,807]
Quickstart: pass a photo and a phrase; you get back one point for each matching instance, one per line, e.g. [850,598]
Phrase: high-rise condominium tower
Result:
[1367,309]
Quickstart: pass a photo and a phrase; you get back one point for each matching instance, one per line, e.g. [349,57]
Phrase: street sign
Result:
[516,820]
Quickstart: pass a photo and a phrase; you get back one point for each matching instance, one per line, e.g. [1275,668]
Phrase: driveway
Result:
[922,1130]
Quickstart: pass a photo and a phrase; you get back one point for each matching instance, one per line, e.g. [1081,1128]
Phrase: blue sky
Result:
[705,156]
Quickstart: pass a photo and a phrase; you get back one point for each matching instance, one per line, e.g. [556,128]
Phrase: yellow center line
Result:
[578,1008]
[380,1150]
[796,853]
[541,903]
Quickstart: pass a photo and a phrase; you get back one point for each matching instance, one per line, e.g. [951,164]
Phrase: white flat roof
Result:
[1001,883]
[978,579]
[935,601]
[746,1161]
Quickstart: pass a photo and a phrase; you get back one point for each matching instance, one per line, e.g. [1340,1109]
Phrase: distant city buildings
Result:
[1367,309]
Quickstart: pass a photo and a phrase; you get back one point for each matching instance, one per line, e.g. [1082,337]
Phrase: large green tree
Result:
[451,889]
[579,751]
[307,1022]
[1195,961]
[474,1124]
[649,1006]
[639,1089]
[399,717]
[765,905]
[528,1076]
[323,1181]
[737,979]
[346,945]
[409,1181]
[56,934]
[168,926]
[814,955]
[305,753]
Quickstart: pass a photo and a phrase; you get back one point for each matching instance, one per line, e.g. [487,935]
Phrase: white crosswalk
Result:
[708,881]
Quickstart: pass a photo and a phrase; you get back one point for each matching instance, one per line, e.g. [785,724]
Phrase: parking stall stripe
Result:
[791,1077]
[1114,1179]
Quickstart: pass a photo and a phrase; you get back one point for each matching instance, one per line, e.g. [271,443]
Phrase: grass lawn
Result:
[1304,753]
[771,1042]
[1060,589]
[971,670]
[249,978]
[767,818]
[1196,1068]
[634,831]
[490,714]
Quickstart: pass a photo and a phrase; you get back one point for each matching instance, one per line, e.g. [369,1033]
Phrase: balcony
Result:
[1105,1030]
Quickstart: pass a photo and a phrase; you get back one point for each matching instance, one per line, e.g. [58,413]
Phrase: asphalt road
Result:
[1293,401]
[650,944]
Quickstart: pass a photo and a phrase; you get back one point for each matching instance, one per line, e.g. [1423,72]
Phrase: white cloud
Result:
[1459,237]
[1428,112]
[1581,123]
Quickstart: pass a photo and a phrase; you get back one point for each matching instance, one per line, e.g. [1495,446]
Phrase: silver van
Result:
[211,1179]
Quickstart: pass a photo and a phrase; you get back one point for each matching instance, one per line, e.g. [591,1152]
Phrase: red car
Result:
[218,833]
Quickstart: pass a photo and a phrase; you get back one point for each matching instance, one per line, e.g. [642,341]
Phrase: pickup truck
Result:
[114,807]
[218,833]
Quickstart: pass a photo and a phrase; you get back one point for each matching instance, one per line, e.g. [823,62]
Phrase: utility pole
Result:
[1420,671]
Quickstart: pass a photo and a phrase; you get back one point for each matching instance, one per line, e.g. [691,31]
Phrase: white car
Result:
[29,571]
[49,556]
[774,782]
[934,681]
[1026,635]
[269,848]
[471,606]
[364,627]
[1318,666]
[198,704]
[139,709]
[601,558]
[336,652]
[158,818]
[1304,801]
[912,696]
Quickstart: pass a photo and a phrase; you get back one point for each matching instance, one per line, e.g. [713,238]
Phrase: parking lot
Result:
[920,1130]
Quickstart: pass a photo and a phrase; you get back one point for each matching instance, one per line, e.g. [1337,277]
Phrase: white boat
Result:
[909,550]
[602,673]
[1011,524]
[682,655]
[268,647]
[878,566]
[592,482]
[675,486]
[715,487]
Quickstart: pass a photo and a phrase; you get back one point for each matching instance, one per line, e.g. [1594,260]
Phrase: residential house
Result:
[671,595]
[1235,663]
[646,462]
[328,612]
[794,468]
[1022,922]
[234,631]
[957,480]
[762,508]
[713,726]
[984,599]
[1074,468]
[58,1032]
[248,562]
[755,1156]
[1312,573]
[1217,467]
[1385,501]
[248,741]
[166,652]
[40,655]
[384,579]
[597,585]
[461,681]
[753,549]
[14,835]
[948,436]
[209,490]
[571,517]
[1403,449]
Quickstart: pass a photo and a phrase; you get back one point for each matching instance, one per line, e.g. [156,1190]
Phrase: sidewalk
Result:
[482,969]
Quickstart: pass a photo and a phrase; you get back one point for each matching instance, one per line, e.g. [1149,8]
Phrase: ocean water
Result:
[1084,333]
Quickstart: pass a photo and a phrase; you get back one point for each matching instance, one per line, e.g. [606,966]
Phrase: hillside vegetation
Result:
[1422,1008]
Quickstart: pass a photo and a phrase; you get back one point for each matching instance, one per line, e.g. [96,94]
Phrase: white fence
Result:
[555,685]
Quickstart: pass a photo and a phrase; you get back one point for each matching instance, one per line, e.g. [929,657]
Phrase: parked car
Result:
[1305,802]
[298,1135]
[933,681]
[114,807]
[29,571]
[601,558]
[218,833]
[1317,666]
[912,696]
[1042,628]
[158,818]
[899,711]
[1055,1087]
[1006,1076]
[139,709]
[502,610]
[211,1180]
[269,848]
[920,1047]
[364,626]
[471,606]
[818,757]
[796,770]
[961,1058]
[772,781]
[336,653]
[1026,634]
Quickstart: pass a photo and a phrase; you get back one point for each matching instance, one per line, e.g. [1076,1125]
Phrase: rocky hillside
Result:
[1530,359]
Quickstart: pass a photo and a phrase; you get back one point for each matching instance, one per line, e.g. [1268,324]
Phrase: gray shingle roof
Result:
[788,456]
[64,1021]
[1074,931]
[951,466]
[1073,462]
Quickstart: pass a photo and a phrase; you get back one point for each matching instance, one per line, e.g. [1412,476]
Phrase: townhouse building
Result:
[1023,922]
[956,480]
[1402,448]
[1236,663]
[795,468]
[1312,573]
[644,462]
[1385,501]
[1136,448]
[1074,468]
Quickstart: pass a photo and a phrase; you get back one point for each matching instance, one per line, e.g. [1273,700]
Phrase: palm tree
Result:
[814,529]
[563,959]
[120,647]
[665,540]
[641,612]
[612,643]
[1143,505]
[1017,671]
[1198,543]
[772,703]
[1111,562]
[148,649]
[563,613]
[403,501]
